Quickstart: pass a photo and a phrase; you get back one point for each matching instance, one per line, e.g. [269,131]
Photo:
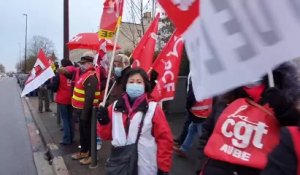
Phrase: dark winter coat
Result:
[284,151]
[286,80]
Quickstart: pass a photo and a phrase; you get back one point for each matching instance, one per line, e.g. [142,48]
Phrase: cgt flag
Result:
[143,53]
[111,18]
[40,73]
[167,66]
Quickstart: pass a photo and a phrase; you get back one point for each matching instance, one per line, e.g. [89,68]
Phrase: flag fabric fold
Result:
[167,66]
[40,73]
[144,52]
[111,18]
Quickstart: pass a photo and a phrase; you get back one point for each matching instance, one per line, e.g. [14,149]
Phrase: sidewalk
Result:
[63,164]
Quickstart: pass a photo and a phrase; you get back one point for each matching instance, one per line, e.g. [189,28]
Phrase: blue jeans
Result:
[193,129]
[66,115]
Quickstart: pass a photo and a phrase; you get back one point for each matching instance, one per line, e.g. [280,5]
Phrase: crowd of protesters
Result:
[247,131]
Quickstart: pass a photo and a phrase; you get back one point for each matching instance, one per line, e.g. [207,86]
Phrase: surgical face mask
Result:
[118,71]
[135,90]
[82,67]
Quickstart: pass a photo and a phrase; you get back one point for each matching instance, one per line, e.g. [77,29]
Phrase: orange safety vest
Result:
[244,134]
[79,93]
[202,109]
[295,134]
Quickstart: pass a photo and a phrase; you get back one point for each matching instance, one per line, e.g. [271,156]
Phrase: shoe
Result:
[80,155]
[179,152]
[48,110]
[86,161]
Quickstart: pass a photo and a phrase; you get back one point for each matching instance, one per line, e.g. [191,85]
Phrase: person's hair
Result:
[135,71]
[66,62]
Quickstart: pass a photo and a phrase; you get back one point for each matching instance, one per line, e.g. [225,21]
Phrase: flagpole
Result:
[271,79]
[111,66]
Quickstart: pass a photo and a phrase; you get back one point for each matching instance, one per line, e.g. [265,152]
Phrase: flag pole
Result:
[271,79]
[111,65]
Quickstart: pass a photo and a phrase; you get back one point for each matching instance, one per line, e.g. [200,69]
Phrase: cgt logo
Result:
[242,131]
[183,4]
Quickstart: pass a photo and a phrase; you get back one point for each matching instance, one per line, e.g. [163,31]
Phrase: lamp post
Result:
[25,42]
[66,28]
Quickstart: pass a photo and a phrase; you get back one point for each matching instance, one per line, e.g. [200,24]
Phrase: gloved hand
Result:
[102,116]
[276,100]
[160,172]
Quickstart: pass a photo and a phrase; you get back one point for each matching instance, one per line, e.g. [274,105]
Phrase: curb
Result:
[52,154]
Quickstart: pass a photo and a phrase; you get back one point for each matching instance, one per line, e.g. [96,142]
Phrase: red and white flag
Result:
[40,73]
[167,66]
[181,12]
[225,38]
[144,52]
[111,18]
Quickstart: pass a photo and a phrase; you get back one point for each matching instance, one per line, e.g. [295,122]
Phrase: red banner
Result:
[111,18]
[182,13]
[167,66]
[143,53]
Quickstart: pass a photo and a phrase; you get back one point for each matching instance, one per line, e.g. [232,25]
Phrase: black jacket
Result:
[285,78]
[283,160]
[190,101]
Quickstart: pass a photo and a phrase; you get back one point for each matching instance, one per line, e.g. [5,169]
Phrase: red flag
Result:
[182,13]
[111,18]
[40,73]
[143,53]
[167,66]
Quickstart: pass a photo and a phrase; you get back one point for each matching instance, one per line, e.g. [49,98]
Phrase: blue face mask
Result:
[135,90]
[118,71]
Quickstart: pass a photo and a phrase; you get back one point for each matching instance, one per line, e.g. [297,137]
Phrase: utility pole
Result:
[25,42]
[66,28]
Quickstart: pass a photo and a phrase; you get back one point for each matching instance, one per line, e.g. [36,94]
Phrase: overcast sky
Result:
[45,18]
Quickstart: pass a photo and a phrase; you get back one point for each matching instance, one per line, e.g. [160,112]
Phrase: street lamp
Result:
[25,42]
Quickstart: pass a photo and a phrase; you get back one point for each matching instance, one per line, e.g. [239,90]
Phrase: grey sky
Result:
[45,18]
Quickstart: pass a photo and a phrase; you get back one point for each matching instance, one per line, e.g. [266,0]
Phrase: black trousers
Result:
[43,96]
[185,128]
[85,135]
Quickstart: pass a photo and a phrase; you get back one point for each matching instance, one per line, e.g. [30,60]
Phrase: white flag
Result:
[40,73]
[233,42]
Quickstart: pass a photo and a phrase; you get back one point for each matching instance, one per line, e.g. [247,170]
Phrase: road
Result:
[15,146]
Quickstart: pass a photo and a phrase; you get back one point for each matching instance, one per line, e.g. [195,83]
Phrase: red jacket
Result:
[160,128]
[64,92]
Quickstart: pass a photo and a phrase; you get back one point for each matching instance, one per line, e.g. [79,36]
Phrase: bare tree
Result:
[40,42]
[36,43]
[137,21]
[166,29]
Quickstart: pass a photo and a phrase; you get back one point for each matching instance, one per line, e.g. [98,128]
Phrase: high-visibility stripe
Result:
[82,99]
[79,91]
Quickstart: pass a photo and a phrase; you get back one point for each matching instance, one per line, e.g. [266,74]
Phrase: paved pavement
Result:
[15,145]
[52,129]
